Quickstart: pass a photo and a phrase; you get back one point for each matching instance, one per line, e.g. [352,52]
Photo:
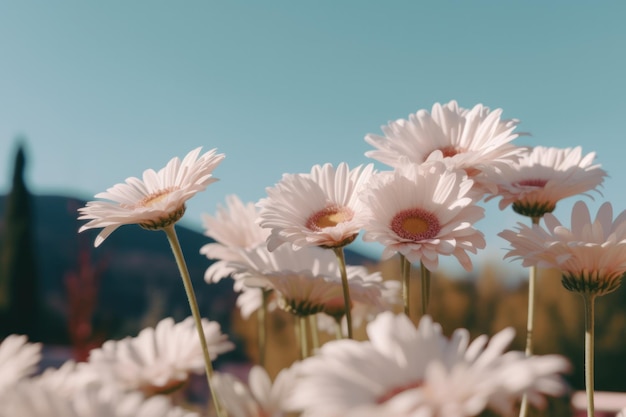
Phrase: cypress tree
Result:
[19,290]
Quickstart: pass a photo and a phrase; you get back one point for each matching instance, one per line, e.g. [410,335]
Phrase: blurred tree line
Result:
[19,284]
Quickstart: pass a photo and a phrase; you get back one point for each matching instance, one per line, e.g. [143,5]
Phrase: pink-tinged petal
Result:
[543,177]
[155,202]
[422,211]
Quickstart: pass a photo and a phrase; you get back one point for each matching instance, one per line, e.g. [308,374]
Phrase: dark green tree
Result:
[19,289]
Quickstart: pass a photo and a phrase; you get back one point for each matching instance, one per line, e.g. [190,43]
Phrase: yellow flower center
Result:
[329,217]
[155,197]
[415,224]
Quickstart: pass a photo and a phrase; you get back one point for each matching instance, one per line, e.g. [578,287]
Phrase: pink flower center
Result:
[397,390]
[450,151]
[415,224]
[329,217]
[539,183]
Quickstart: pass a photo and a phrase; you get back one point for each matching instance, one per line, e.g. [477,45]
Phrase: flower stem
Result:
[405,271]
[193,304]
[304,343]
[425,287]
[262,326]
[532,273]
[589,351]
[315,340]
[341,260]
[532,278]
[338,332]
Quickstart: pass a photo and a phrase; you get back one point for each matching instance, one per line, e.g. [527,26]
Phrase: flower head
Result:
[472,139]
[18,359]
[591,255]
[155,202]
[317,209]
[407,371]
[543,177]
[260,398]
[159,359]
[307,281]
[29,398]
[70,378]
[423,211]
[233,228]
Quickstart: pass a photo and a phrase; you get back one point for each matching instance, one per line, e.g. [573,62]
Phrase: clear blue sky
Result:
[104,90]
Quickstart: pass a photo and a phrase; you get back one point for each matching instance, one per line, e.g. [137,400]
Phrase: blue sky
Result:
[103,90]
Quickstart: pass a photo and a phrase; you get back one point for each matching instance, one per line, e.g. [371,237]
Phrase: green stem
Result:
[589,351]
[405,272]
[262,325]
[193,304]
[304,343]
[341,260]
[532,273]
[338,332]
[425,287]
[297,330]
[530,322]
[532,279]
[315,340]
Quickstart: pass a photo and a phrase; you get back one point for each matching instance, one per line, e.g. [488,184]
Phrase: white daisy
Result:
[18,359]
[316,209]
[543,177]
[260,398]
[307,281]
[471,139]
[416,372]
[233,228]
[154,203]
[423,211]
[31,399]
[69,378]
[159,359]
[591,255]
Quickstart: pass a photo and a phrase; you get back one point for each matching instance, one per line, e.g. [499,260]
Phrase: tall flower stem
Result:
[530,321]
[341,260]
[405,272]
[195,311]
[315,340]
[262,325]
[338,332]
[589,300]
[425,279]
[304,343]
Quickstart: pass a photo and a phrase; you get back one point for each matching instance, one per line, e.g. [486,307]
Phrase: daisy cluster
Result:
[285,252]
